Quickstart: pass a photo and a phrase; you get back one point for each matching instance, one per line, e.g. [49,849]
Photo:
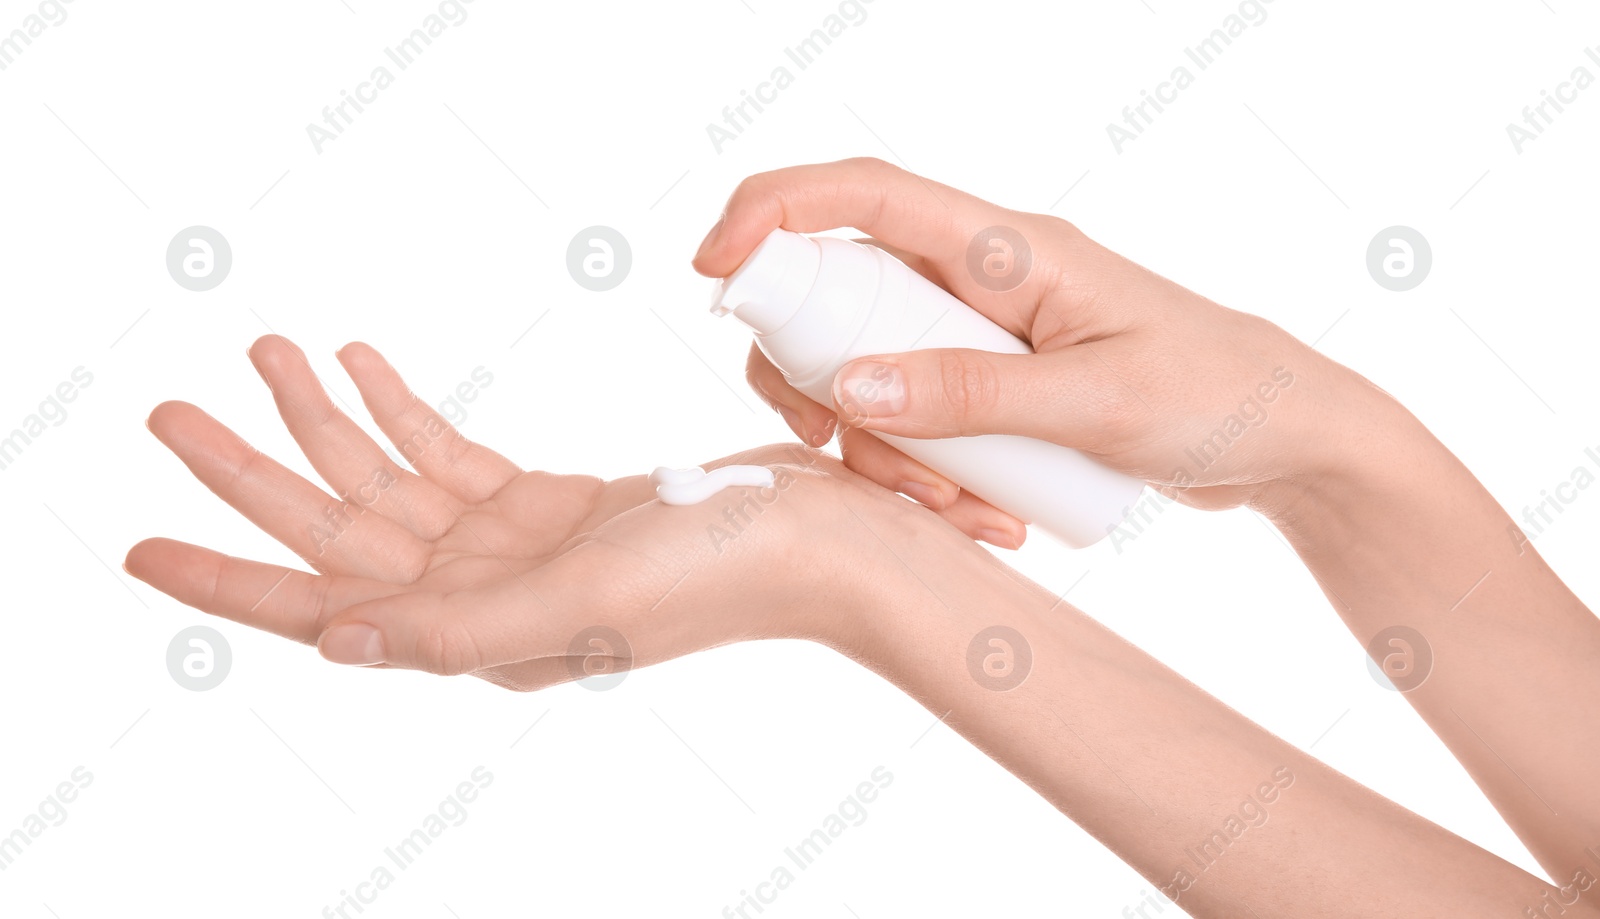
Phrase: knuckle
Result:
[320,413]
[318,595]
[753,188]
[456,447]
[871,163]
[971,389]
[241,472]
[1053,227]
[1056,243]
[446,649]
[750,185]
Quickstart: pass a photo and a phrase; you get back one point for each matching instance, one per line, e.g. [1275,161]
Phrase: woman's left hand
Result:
[526,579]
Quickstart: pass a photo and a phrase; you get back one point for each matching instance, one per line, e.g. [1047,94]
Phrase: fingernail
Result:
[999,538]
[923,494]
[826,434]
[868,389]
[250,355]
[356,644]
[711,237]
[792,419]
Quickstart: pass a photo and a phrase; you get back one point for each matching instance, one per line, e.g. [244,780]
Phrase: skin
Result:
[472,565]
[1137,370]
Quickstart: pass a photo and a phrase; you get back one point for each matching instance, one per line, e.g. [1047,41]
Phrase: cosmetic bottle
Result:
[815,304]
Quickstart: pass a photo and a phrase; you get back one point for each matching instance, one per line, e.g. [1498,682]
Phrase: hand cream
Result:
[693,485]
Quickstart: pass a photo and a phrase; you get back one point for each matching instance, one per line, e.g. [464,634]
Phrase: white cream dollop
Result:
[693,485]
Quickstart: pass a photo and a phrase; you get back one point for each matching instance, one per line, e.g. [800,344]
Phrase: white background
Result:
[1260,187]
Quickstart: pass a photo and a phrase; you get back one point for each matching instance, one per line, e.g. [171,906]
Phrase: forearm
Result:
[1405,536]
[1165,775]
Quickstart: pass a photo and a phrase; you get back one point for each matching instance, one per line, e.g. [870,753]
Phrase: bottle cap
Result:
[769,288]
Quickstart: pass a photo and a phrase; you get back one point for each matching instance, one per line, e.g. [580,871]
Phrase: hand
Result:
[471,565]
[1212,405]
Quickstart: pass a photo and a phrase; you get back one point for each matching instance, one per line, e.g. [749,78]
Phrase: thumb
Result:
[446,633]
[955,392]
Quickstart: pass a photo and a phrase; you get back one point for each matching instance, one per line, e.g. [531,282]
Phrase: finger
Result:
[889,467]
[981,520]
[280,600]
[331,535]
[448,634]
[346,458]
[894,470]
[513,620]
[1069,396]
[911,259]
[432,445]
[814,424]
[905,211]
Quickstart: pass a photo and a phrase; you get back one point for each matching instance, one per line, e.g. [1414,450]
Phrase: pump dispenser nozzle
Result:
[768,289]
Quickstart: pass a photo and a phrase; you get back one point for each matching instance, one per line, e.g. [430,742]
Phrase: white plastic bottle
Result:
[816,304]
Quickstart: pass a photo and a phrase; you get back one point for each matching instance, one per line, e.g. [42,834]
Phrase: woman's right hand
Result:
[1211,405]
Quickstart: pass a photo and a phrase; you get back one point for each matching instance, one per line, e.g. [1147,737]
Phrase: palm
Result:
[467,519]
[526,521]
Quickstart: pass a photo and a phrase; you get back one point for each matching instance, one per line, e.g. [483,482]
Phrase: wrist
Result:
[1339,434]
[848,562]
[1375,458]
[925,594]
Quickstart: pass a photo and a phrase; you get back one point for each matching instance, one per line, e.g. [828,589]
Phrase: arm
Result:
[1166,776]
[470,565]
[1137,370]
[1404,535]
